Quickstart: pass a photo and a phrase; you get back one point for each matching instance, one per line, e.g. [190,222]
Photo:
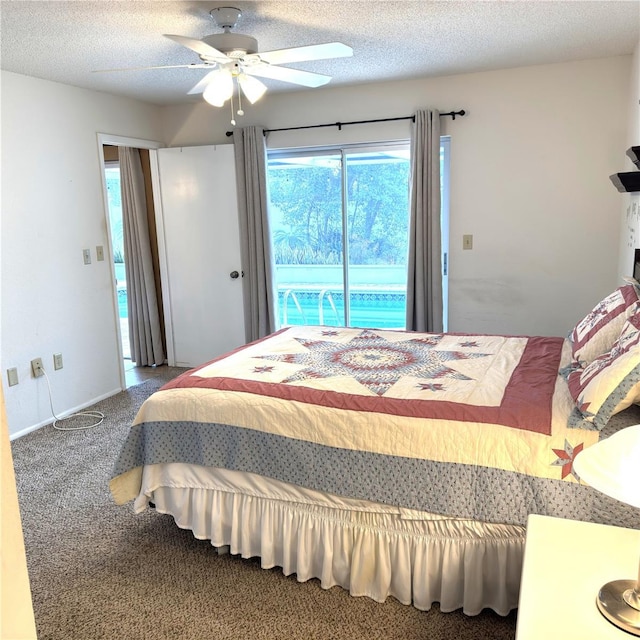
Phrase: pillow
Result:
[595,334]
[611,382]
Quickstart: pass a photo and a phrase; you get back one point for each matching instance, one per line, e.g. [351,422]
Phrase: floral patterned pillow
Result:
[611,382]
[596,333]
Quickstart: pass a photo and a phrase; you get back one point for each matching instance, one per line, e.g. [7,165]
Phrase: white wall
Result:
[529,178]
[530,167]
[52,208]
[630,203]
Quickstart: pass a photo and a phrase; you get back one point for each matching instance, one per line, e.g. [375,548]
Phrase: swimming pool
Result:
[379,309]
[123,310]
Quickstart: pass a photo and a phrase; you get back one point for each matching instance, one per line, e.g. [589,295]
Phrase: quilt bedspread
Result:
[470,426]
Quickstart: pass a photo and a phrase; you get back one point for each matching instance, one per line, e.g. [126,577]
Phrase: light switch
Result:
[467,241]
[12,376]
[99,253]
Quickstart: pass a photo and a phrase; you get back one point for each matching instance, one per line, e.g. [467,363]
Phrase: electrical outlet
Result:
[99,253]
[36,367]
[12,376]
[57,361]
[86,256]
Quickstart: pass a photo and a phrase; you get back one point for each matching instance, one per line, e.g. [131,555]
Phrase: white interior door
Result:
[198,226]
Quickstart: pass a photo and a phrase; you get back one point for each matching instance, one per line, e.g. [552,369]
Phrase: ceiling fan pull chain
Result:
[240,111]
[233,120]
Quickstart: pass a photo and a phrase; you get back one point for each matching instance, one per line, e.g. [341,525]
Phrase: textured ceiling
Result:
[67,41]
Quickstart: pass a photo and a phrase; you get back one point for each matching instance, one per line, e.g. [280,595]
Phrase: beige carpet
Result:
[100,572]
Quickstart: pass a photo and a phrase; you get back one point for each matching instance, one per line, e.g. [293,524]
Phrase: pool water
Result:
[123,310]
[382,310]
[376,309]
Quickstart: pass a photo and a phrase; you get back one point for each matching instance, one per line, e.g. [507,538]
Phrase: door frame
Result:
[138,143]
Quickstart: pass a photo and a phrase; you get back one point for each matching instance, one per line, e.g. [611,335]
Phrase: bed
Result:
[389,463]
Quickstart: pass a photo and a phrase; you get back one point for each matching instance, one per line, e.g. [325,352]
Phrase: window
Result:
[339,222]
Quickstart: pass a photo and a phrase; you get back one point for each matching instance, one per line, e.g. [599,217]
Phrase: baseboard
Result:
[81,407]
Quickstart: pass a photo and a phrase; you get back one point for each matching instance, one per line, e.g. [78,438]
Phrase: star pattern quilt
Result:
[470,426]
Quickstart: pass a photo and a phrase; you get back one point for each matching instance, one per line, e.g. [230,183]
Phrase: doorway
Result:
[130,374]
[114,202]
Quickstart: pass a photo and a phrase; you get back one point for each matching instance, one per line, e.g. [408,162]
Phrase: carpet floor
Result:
[100,572]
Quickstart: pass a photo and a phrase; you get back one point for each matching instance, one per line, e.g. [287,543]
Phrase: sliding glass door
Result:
[339,221]
[114,201]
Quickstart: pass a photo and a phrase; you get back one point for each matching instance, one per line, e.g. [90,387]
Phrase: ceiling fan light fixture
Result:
[220,89]
[252,88]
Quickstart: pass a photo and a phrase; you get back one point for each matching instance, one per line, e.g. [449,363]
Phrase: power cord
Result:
[98,415]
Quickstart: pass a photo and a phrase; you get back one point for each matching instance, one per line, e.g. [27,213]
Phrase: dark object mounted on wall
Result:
[634,154]
[628,181]
[636,264]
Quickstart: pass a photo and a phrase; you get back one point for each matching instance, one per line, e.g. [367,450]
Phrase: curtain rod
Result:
[453,115]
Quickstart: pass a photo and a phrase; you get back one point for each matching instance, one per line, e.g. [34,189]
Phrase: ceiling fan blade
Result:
[204,82]
[202,65]
[201,48]
[311,52]
[295,76]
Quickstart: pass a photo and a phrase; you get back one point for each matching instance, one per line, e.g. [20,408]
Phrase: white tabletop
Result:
[566,562]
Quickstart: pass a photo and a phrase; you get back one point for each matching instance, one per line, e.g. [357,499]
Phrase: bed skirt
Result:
[371,550]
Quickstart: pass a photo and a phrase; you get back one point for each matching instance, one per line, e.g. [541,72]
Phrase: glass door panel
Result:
[112,179]
[377,217]
[305,215]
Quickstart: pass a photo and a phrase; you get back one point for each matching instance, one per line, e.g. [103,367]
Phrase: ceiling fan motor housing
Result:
[234,45]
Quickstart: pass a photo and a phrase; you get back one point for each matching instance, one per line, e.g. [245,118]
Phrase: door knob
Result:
[235,274]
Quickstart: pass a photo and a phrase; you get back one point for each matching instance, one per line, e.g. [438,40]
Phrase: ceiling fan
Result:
[235,57]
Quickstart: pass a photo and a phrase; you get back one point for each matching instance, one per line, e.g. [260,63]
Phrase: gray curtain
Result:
[255,240]
[145,335]
[424,282]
